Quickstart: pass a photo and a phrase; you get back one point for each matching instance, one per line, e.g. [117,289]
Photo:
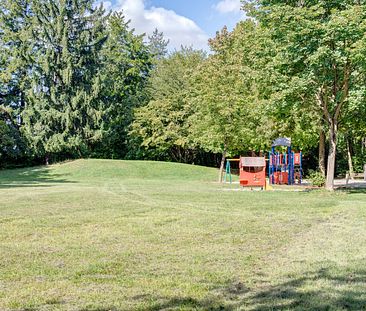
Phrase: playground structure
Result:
[252,172]
[228,170]
[284,168]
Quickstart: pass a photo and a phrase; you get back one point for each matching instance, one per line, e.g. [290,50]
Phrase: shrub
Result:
[316,178]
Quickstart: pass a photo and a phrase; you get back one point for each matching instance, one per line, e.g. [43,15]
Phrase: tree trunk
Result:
[329,184]
[349,156]
[222,165]
[322,152]
[22,100]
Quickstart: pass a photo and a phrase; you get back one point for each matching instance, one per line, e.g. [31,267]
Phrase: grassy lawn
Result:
[119,235]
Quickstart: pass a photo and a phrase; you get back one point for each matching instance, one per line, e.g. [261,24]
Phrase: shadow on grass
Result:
[332,288]
[31,177]
[352,189]
[325,289]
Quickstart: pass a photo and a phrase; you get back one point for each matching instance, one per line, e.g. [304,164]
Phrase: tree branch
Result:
[345,91]
[323,105]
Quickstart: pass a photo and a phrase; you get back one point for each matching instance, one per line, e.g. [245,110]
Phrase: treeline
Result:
[77,82]
[70,76]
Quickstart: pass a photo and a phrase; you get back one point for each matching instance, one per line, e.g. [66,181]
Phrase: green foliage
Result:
[12,145]
[126,66]
[86,84]
[74,73]
[228,114]
[15,23]
[158,46]
[162,125]
[65,111]
[319,55]
[316,178]
[8,143]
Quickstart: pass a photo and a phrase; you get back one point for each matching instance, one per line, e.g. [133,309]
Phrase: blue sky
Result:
[203,12]
[184,22]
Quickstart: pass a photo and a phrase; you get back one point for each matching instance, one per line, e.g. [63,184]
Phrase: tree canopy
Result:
[320,50]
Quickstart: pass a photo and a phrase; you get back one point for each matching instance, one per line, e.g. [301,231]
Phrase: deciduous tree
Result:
[228,116]
[320,45]
[162,125]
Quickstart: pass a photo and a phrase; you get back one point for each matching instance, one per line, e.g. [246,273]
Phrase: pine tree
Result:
[64,111]
[158,45]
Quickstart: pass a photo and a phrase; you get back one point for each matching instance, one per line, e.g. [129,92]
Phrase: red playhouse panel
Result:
[284,178]
[297,158]
[280,178]
[253,172]
[276,178]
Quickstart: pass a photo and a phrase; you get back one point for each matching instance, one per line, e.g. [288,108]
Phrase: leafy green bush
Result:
[316,178]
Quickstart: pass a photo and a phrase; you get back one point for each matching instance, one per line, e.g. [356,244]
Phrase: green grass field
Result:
[118,235]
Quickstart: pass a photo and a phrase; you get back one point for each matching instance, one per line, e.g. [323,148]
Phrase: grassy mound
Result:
[130,235]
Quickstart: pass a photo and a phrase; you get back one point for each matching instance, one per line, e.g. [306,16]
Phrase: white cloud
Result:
[178,29]
[228,6]
[106,4]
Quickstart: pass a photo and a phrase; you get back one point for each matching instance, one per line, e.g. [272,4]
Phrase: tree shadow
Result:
[35,177]
[188,303]
[324,289]
[353,189]
[349,189]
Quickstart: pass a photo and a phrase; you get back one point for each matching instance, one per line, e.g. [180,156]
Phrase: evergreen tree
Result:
[12,145]
[126,66]
[15,17]
[15,22]
[64,110]
[158,45]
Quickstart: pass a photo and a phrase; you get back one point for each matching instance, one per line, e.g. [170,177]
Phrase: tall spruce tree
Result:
[15,22]
[64,111]
[15,17]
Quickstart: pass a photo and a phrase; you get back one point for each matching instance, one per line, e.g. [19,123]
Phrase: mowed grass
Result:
[119,235]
